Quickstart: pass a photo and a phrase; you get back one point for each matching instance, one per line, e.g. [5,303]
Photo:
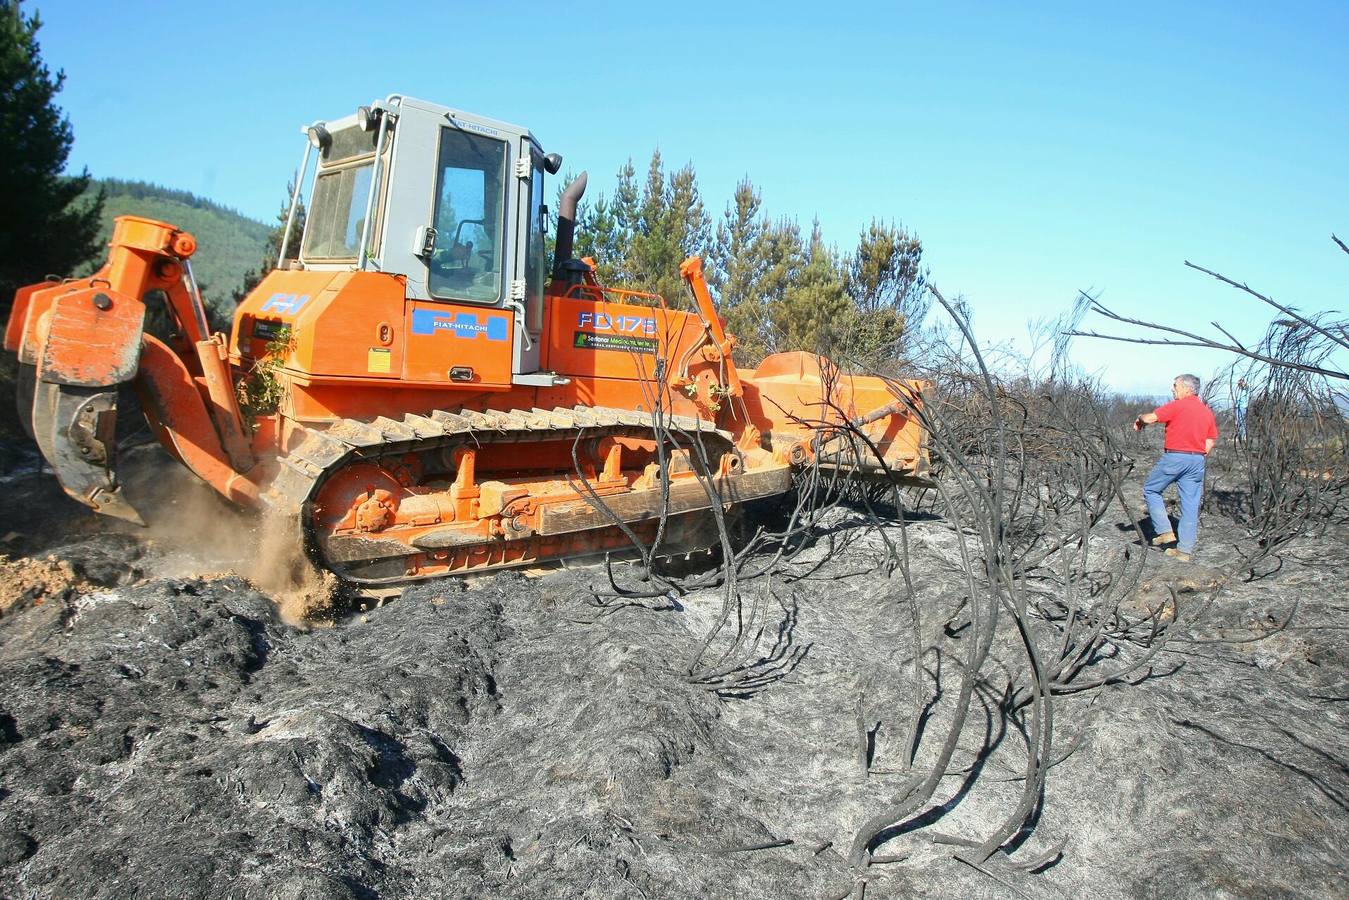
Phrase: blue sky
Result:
[1037,149]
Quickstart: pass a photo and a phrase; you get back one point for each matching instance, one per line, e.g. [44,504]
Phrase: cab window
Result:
[469,257]
[337,213]
[341,190]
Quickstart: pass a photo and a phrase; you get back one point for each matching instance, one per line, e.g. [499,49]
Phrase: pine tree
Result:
[672,225]
[887,284]
[604,228]
[689,228]
[776,257]
[734,265]
[651,241]
[626,206]
[813,306]
[598,237]
[44,229]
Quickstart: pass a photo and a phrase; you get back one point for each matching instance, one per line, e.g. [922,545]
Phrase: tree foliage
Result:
[775,258]
[777,289]
[146,190]
[887,285]
[639,236]
[736,266]
[812,310]
[605,228]
[45,230]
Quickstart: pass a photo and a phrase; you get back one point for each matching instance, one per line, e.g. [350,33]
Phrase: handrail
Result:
[295,199]
[601,294]
[376,175]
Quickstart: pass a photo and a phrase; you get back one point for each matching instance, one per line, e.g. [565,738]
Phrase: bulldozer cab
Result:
[453,201]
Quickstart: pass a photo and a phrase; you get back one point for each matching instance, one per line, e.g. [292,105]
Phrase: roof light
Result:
[367,118]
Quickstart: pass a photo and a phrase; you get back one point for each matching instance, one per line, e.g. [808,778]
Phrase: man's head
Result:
[1184,386]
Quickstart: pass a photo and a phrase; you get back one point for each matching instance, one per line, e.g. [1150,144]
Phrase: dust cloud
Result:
[195,533]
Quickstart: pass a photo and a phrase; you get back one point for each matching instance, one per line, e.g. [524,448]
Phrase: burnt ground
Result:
[164,732]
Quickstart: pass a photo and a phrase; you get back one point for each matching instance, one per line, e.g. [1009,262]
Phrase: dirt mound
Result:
[78,568]
[27,580]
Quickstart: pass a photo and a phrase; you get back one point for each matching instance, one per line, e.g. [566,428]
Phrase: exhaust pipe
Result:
[566,222]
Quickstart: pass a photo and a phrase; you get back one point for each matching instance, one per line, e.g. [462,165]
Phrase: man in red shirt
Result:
[1191,432]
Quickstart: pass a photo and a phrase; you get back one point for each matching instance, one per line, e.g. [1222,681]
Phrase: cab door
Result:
[464,331]
[532,254]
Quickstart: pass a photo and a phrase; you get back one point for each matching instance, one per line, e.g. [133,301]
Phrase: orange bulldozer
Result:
[420,388]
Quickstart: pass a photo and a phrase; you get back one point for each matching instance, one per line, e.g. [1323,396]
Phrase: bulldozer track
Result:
[323,451]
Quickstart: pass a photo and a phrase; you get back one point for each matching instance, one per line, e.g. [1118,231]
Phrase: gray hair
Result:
[1190,381]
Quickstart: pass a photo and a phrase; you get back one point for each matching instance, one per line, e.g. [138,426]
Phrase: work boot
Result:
[1168,538]
[1179,555]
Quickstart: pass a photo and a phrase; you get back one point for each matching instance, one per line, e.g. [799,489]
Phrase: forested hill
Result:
[228,243]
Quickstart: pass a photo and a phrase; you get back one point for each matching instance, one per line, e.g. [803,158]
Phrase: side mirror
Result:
[424,241]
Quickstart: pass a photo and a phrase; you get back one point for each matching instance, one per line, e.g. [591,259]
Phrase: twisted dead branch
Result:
[1025,471]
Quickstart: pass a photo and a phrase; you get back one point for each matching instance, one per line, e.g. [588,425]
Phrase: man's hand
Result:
[1139,423]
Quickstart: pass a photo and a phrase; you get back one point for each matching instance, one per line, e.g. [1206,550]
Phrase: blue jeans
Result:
[1186,471]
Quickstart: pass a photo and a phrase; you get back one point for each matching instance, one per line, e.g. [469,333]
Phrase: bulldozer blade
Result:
[75,428]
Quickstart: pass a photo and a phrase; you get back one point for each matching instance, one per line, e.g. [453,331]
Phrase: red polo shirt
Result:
[1189,423]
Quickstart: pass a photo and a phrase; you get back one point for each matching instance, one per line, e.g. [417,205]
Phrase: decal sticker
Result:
[285,304]
[466,326]
[378,359]
[617,324]
[267,331]
[588,340]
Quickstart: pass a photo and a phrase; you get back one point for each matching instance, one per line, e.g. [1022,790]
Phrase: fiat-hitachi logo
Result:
[462,325]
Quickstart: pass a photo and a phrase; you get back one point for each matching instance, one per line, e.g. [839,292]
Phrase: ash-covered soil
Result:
[165,732]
